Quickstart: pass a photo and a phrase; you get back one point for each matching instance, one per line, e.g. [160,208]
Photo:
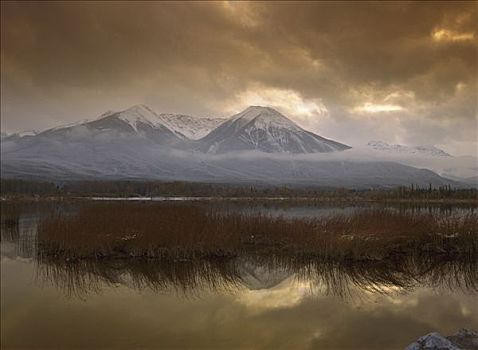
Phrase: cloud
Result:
[288,102]
[370,107]
[317,62]
[450,35]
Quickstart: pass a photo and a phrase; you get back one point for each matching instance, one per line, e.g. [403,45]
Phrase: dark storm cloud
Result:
[67,61]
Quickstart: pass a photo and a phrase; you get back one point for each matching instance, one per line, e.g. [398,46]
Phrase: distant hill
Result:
[410,150]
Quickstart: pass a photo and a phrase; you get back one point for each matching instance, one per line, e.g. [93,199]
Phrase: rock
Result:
[464,339]
[432,341]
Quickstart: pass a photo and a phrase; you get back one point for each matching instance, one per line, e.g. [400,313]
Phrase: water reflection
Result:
[194,277]
[243,302]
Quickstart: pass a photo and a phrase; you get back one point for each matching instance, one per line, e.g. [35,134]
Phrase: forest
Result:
[11,188]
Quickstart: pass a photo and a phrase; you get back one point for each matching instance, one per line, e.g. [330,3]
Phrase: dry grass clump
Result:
[184,231]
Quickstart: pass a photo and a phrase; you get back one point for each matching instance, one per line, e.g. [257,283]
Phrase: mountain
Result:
[141,160]
[192,128]
[265,129]
[258,145]
[454,167]
[255,276]
[184,126]
[18,135]
[472,180]
[137,119]
[136,122]
[408,150]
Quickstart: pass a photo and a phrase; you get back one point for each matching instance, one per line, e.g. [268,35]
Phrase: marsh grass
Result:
[183,231]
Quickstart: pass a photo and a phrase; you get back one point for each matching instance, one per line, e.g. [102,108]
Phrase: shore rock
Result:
[464,339]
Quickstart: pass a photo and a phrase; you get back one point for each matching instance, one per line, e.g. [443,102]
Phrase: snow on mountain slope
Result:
[136,122]
[266,130]
[138,118]
[18,135]
[257,128]
[256,277]
[184,126]
[192,128]
[259,145]
[72,124]
[27,133]
[452,167]
[408,150]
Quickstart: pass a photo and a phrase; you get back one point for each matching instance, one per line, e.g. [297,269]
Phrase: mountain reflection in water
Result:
[192,277]
[249,301]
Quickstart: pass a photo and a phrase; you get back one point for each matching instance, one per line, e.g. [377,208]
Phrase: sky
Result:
[400,72]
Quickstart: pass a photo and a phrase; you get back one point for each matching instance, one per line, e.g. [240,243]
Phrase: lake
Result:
[245,301]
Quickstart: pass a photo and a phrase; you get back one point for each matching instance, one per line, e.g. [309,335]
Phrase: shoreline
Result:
[235,199]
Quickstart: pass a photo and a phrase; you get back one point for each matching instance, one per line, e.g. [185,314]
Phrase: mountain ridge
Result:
[412,150]
[256,128]
[259,145]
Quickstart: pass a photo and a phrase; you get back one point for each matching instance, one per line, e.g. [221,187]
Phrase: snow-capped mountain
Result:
[138,119]
[137,143]
[137,122]
[265,129]
[192,128]
[408,150]
[184,126]
[256,128]
[456,167]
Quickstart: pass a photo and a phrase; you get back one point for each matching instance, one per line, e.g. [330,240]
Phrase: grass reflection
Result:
[193,277]
[190,249]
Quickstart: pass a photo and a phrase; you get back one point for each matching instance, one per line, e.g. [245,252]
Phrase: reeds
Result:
[182,231]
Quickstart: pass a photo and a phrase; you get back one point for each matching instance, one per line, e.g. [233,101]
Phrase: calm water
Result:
[239,303]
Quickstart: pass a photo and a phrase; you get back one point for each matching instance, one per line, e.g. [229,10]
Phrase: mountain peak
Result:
[138,113]
[140,108]
[254,111]
[264,117]
[261,109]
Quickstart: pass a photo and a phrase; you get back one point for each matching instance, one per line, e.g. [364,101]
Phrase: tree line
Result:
[26,188]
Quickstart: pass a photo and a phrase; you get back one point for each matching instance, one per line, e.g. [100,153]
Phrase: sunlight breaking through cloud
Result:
[450,35]
[370,107]
[289,102]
